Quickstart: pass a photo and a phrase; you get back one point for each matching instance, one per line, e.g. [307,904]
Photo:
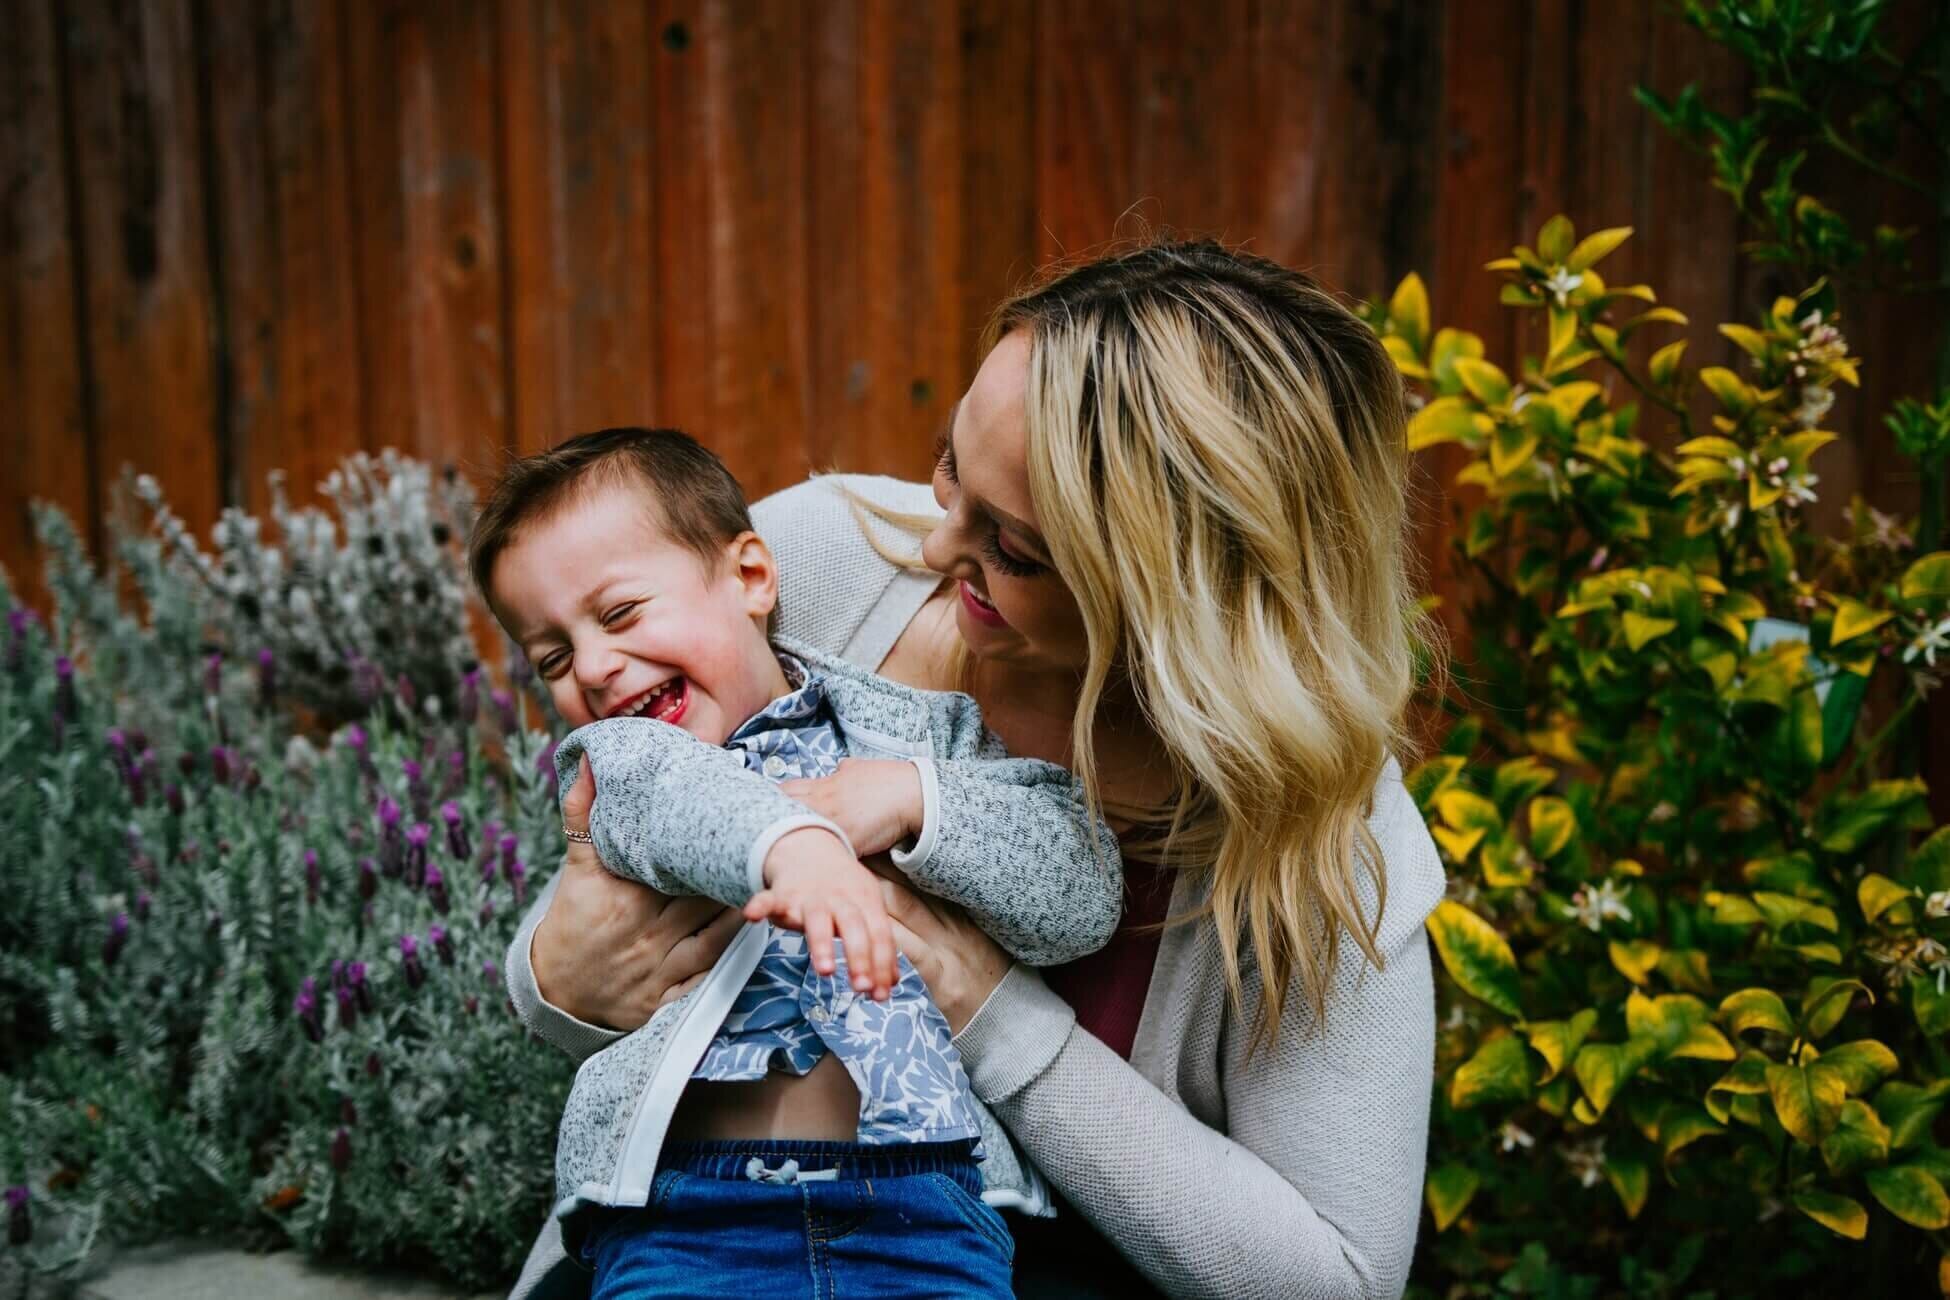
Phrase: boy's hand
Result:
[876,801]
[815,886]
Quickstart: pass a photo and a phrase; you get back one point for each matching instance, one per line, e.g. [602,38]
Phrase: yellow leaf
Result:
[1733,396]
[1557,1041]
[1563,333]
[1594,248]
[1511,447]
[1878,893]
[1457,844]
[1449,1190]
[1912,1195]
[1853,618]
[1635,960]
[1631,1179]
[1554,240]
[1665,364]
[1408,311]
[1928,578]
[1483,380]
[1404,354]
[1751,341]
[1705,1043]
[1476,956]
[1807,1099]
[1446,419]
[1836,1213]
[1641,629]
[1552,824]
[1756,1008]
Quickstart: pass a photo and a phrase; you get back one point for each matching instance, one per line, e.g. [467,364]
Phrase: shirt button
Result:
[818,1015]
[774,766]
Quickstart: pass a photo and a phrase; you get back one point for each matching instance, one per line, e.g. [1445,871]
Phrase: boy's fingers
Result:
[859,947]
[885,969]
[760,905]
[819,940]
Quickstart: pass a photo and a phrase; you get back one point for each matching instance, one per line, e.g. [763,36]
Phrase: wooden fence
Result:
[243,236]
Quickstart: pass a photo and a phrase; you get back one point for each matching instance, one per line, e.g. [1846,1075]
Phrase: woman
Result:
[1174,548]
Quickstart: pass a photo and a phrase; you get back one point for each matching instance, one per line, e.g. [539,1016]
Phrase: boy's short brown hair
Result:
[703,507]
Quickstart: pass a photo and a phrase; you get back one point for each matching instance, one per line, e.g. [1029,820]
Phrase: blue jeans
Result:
[767,1220]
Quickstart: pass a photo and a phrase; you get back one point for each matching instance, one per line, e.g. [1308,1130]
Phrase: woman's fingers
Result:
[579,800]
[819,940]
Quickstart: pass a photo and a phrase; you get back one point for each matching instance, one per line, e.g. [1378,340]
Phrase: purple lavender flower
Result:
[355,979]
[437,889]
[545,764]
[186,763]
[372,1065]
[417,836]
[20,1227]
[305,1008]
[473,1005]
[141,772]
[118,938]
[65,703]
[220,764]
[470,695]
[142,904]
[267,679]
[418,794]
[348,1007]
[392,848]
[487,911]
[173,796]
[443,945]
[490,972]
[311,876]
[508,846]
[213,673]
[368,683]
[19,619]
[252,778]
[518,877]
[348,1113]
[368,880]
[409,700]
[456,774]
[357,741]
[409,953]
[342,1150]
[504,712]
[457,844]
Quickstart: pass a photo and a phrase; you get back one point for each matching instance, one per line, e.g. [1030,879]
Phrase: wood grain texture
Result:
[44,421]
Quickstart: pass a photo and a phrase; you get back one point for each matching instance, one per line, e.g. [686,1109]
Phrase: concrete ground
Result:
[198,1271]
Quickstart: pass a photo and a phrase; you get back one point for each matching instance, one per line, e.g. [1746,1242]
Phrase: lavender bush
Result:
[265,834]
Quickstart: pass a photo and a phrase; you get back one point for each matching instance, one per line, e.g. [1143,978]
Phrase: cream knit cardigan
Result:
[1289,1173]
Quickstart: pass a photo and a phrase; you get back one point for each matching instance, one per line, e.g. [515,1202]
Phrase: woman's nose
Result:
[947,548]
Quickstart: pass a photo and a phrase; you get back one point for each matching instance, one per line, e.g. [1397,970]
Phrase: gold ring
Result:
[580,837]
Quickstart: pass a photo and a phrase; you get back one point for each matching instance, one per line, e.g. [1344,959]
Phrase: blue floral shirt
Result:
[900,1053]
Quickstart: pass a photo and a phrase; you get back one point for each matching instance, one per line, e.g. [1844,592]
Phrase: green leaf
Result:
[1499,1071]
[1930,1004]
[1862,1064]
[1552,824]
[1554,240]
[1449,1190]
[1408,311]
[1484,381]
[1783,910]
[1735,397]
[1682,1125]
[1476,956]
[1807,1099]
[1836,1213]
[1641,630]
[1519,779]
[1911,1195]
[1631,1178]
[1557,1041]
[1603,1068]
[1465,810]
[1928,867]
[1505,863]
[1747,1078]
[1928,578]
[1860,1139]
[1827,1001]
[1635,960]
[1511,448]
[1563,333]
[1909,1110]
[1756,1009]
[1594,248]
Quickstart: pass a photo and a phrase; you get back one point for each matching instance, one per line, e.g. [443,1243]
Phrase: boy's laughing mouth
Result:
[666,702]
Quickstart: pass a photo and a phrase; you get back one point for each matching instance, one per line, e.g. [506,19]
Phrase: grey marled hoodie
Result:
[1010,839]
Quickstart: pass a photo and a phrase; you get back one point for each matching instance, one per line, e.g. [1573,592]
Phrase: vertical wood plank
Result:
[44,420]
[681,191]
[884,211]
[998,194]
[387,400]
[1086,164]
[581,240]
[1193,88]
[132,78]
[284,221]
[1290,77]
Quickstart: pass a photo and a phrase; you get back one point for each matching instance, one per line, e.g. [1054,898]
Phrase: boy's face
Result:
[619,619]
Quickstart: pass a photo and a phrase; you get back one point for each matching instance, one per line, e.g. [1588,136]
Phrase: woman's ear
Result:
[758,575]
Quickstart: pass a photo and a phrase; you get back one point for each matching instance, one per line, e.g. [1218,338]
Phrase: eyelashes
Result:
[944,455]
[991,545]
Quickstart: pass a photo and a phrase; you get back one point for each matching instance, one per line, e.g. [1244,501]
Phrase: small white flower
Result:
[1927,642]
[1593,906]
[1937,905]
[1663,811]
[1727,517]
[1587,1159]
[1816,402]
[1513,1137]
[1562,284]
[1888,531]
[1800,488]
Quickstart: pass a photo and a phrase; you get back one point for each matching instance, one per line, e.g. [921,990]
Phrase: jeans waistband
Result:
[794,1161]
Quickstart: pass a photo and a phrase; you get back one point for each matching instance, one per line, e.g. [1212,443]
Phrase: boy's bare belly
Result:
[821,1106]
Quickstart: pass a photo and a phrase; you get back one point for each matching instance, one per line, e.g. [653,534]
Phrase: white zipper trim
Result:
[638,1165]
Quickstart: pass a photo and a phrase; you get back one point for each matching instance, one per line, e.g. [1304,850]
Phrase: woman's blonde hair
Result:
[1217,458]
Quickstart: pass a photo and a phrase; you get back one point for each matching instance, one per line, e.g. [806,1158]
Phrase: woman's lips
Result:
[980,610]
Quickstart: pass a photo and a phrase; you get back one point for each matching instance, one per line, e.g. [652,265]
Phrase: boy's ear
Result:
[751,560]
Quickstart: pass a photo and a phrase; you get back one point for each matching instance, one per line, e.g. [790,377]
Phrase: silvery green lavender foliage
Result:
[248,978]
[343,615]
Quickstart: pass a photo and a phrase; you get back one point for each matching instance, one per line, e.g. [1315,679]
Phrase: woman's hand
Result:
[611,951]
[960,964]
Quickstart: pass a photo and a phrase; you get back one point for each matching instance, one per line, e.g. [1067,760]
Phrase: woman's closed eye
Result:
[1013,565]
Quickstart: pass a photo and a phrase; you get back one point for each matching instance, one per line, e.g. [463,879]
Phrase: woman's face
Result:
[1010,604]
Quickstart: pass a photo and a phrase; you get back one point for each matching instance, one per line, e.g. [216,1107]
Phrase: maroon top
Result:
[1107,988]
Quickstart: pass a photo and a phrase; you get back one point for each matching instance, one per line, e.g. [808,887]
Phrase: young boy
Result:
[797,1108]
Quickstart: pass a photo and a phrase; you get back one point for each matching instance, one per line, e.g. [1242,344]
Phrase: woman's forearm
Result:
[548,1022]
[1316,1191]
